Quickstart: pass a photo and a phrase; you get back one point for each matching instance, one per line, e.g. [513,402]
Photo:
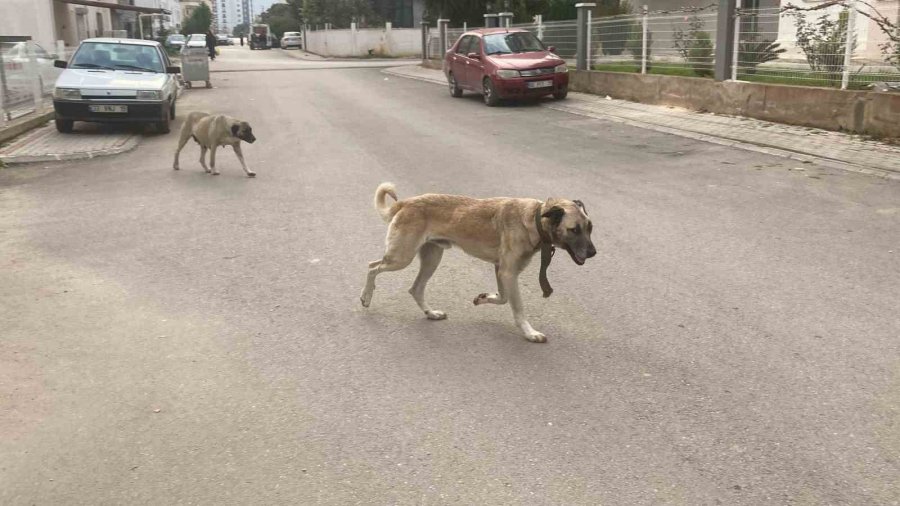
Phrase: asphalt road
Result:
[176,338]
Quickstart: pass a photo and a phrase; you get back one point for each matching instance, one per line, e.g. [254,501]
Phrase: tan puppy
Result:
[506,232]
[212,131]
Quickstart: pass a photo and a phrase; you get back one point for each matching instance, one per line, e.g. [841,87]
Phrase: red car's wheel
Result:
[490,94]
[455,90]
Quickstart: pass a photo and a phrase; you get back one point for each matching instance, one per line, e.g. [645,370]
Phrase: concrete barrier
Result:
[863,112]
[354,42]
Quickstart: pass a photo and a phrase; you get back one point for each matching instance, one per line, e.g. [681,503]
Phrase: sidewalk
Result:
[45,144]
[845,151]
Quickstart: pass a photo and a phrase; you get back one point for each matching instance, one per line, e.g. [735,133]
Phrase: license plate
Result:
[540,84]
[108,108]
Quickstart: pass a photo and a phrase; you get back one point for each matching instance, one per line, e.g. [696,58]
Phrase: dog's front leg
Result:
[510,281]
[203,158]
[240,155]
[493,298]
[212,159]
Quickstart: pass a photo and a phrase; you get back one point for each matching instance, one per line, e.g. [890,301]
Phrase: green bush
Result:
[695,46]
[753,52]
[700,55]
[824,43]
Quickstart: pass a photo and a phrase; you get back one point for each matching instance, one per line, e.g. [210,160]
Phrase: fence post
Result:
[539,21]
[644,22]
[3,113]
[34,76]
[424,40]
[724,40]
[736,51]
[465,26]
[442,34]
[583,35]
[848,45]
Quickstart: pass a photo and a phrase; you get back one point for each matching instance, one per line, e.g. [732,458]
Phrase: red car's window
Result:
[515,42]
[475,46]
[463,47]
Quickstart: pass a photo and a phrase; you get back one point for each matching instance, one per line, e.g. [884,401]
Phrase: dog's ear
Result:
[580,204]
[555,214]
[234,129]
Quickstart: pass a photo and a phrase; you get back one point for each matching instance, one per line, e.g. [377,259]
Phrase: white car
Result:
[292,39]
[116,81]
[175,40]
[195,40]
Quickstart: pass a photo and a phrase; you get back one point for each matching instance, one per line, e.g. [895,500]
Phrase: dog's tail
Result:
[383,208]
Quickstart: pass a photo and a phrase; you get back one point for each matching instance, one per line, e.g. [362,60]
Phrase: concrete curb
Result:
[129,144]
[393,71]
[720,140]
[18,129]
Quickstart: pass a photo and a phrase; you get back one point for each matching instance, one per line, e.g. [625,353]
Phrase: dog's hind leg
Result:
[429,258]
[203,158]
[400,252]
[493,298]
[509,279]
[240,155]
[185,136]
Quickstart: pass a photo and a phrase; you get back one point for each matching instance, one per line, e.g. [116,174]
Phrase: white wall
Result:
[352,42]
[29,17]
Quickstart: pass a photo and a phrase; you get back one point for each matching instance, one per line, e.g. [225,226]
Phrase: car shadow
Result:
[83,128]
[523,103]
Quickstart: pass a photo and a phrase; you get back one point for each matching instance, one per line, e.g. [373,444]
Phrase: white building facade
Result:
[231,13]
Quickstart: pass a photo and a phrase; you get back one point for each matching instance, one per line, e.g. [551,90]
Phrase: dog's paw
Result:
[436,315]
[175,167]
[482,298]
[366,299]
[536,337]
[215,172]
[251,174]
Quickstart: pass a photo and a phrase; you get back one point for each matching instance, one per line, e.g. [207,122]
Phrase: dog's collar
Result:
[547,251]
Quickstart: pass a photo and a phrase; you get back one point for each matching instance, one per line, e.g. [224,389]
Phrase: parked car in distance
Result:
[175,40]
[292,39]
[15,58]
[116,81]
[223,39]
[195,40]
[503,63]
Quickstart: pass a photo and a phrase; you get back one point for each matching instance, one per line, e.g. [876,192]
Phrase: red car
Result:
[504,63]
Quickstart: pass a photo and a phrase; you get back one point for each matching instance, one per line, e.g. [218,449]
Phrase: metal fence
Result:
[811,48]
[561,35]
[671,43]
[776,45]
[27,76]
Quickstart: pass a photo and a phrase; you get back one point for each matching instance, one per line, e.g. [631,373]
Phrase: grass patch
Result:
[667,69]
[763,75]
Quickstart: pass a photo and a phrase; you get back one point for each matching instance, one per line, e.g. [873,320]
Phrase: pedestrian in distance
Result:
[211,44]
[242,40]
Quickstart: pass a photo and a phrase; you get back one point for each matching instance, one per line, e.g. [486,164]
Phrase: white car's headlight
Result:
[148,95]
[508,74]
[67,93]
[561,69]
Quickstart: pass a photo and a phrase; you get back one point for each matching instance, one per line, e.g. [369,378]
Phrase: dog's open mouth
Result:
[575,258]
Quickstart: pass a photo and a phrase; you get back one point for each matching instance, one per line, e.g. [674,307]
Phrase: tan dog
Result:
[212,131]
[506,232]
